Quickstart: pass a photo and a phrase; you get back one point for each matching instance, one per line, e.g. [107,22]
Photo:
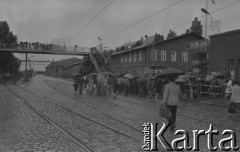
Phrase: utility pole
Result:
[26,77]
[205,46]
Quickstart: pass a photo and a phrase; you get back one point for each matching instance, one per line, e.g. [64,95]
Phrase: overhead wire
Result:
[89,22]
[174,27]
[140,20]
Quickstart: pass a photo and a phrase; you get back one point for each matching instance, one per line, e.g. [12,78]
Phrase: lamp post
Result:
[207,13]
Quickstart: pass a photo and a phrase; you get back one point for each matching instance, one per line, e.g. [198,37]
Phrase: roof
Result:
[151,42]
[225,33]
[66,62]
[75,63]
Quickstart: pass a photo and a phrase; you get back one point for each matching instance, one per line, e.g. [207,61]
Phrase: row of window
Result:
[128,57]
[173,56]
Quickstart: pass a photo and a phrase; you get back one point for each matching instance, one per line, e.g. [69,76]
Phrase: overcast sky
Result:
[45,20]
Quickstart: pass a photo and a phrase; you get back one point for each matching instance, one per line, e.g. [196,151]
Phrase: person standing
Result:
[110,84]
[91,85]
[171,98]
[119,84]
[80,85]
[75,85]
[126,86]
[228,88]
[235,98]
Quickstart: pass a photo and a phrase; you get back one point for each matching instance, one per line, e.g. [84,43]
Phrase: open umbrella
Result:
[91,75]
[100,78]
[130,76]
[106,73]
[142,79]
[183,78]
[75,75]
[170,72]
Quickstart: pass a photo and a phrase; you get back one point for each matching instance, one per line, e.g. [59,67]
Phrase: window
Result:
[154,54]
[184,56]
[163,55]
[126,58]
[135,56]
[140,55]
[122,59]
[130,57]
[173,56]
[231,65]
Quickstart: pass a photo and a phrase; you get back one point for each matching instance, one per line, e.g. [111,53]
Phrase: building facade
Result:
[61,68]
[224,53]
[153,56]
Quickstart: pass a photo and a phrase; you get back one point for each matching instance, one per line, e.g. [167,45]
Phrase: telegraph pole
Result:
[26,77]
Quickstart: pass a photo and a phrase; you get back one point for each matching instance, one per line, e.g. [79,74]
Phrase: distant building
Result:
[60,68]
[75,67]
[224,53]
[151,56]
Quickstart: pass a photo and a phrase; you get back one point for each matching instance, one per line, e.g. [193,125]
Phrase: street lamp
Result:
[207,13]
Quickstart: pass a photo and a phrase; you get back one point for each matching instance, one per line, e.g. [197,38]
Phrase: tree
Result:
[196,27]
[8,62]
[158,37]
[187,31]
[4,28]
[171,34]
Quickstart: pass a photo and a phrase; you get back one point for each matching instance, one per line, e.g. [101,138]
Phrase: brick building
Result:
[60,68]
[153,56]
[224,53]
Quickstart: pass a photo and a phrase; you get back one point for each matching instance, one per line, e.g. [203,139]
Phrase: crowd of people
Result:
[166,88]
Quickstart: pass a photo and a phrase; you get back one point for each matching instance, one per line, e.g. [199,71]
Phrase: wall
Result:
[223,47]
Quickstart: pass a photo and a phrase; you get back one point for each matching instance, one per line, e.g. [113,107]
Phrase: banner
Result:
[215,27]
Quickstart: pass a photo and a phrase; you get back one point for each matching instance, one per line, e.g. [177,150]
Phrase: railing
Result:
[49,47]
[206,90]
[94,62]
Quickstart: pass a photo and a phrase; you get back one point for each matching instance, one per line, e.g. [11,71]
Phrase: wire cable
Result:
[141,20]
[180,25]
[89,22]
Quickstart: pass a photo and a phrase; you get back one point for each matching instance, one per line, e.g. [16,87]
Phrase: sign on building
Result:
[197,44]
[215,27]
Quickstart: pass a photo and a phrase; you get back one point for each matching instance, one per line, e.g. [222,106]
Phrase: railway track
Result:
[65,133]
[195,119]
[44,100]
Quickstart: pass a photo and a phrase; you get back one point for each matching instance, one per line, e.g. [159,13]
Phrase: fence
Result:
[201,90]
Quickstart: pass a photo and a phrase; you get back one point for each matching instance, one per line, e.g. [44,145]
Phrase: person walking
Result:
[171,98]
[235,98]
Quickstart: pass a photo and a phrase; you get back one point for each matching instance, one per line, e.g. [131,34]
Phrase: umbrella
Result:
[142,79]
[182,78]
[75,75]
[106,73]
[91,75]
[130,76]
[100,78]
[220,76]
[170,72]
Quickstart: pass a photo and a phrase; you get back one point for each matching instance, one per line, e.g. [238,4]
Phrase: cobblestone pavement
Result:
[22,130]
[98,136]
[125,114]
